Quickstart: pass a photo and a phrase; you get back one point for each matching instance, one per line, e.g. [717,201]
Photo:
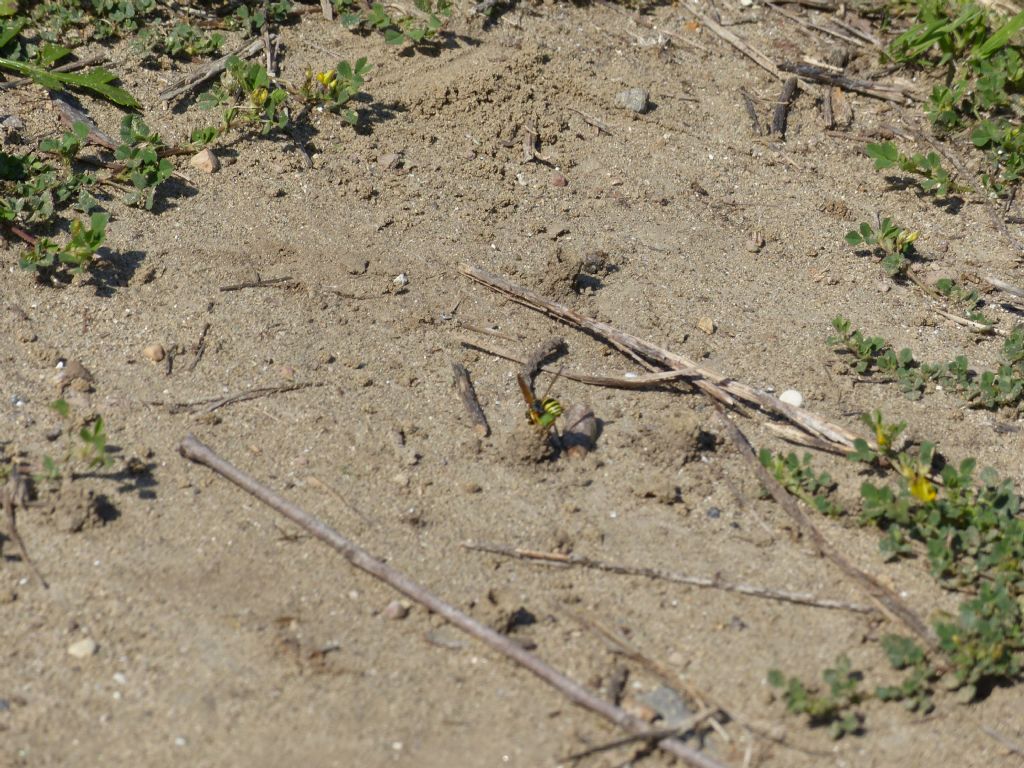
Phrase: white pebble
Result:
[792,397]
[82,649]
[401,280]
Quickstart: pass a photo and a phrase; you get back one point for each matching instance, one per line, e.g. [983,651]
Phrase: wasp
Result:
[541,412]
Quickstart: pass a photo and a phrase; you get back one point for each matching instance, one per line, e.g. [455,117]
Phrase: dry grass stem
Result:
[195,451]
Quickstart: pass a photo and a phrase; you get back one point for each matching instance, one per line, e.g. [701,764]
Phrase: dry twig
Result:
[259,282]
[601,127]
[1011,744]
[799,598]
[748,104]
[712,383]
[638,381]
[70,114]
[743,47]
[816,27]
[464,387]
[886,91]
[782,106]
[195,451]
[684,727]
[209,70]
[211,404]
[200,349]
[15,493]
[1005,287]
[887,601]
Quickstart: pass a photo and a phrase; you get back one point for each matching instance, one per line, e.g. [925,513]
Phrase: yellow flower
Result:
[922,488]
[259,96]
[327,79]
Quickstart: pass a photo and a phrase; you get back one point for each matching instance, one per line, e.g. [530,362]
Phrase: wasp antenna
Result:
[552,384]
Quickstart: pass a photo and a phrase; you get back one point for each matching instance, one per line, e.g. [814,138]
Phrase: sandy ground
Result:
[226,638]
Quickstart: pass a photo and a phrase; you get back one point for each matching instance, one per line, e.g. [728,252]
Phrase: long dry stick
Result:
[200,349]
[886,91]
[15,493]
[686,725]
[642,381]
[70,114]
[625,647]
[885,598]
[781,113]
[811,25]
[740,45]
[195,451]
[209,71]
[800,598]
[211,404]
[464,386]
[1004,286]
[712,383]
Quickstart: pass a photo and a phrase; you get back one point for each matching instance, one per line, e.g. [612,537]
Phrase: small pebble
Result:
[154,352]
[633,99]
[792,397]
[401,280]
[714,513]
[390,160]
[396,610]
[707,325]
[83,649]
[559,180]
[205,161]
[73,369]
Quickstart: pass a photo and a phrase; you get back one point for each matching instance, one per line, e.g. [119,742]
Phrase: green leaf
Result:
[96,80]
[1000,37]
[985,133]
[862,452]
[51,53]
[9,31]
[885,154]
[8,7]
[893,264]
